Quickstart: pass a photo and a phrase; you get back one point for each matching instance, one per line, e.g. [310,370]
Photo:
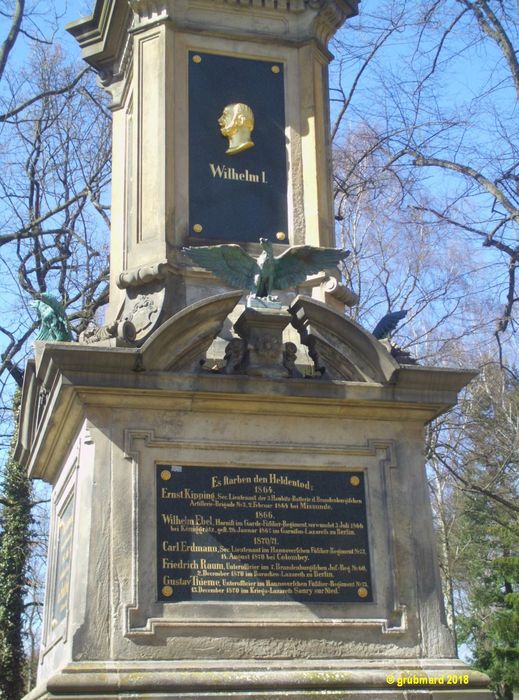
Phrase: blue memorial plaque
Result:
[274,535]
[237,149]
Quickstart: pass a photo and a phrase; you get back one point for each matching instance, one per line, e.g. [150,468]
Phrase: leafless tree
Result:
[426,161]
[53,184]
[54,187]
[433,87]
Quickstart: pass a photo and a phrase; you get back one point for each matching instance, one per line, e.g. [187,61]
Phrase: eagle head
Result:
[266,244]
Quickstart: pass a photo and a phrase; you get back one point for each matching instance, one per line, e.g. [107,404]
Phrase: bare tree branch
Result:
[467,171]
[43,95]
[490,24]
[9,42]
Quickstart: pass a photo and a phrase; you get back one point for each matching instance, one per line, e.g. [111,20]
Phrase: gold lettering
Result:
[224,172]
[263,511]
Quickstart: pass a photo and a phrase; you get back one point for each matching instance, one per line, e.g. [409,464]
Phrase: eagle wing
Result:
[293,266]
[228,262]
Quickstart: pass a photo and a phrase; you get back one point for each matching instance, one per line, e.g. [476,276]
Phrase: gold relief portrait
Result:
[236,124]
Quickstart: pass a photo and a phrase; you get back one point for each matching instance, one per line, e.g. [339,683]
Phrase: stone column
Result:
[142,50]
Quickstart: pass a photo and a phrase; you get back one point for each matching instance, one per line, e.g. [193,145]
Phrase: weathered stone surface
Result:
[181,343]
[340,348]
[262,329]
[252,681]
[97,438]
[101,423]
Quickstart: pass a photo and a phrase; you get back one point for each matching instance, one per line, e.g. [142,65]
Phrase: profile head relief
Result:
[236,124]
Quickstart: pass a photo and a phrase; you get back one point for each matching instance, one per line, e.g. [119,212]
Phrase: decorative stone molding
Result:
[335,11]
[146,619]
[331,15]
[339,347]
[339,291]
[142,275]
[122,331]
[180,344]
[112,79]
[103,36]
[143,307]
[238,679]
[237,357]
[150,9]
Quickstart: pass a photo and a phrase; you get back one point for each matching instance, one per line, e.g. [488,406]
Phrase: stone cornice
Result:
[331,14]
[149,9]
[103,37]
[419,395]
[342,9]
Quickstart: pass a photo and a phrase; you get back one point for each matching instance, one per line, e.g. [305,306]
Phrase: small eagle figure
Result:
[388,323]
[232,264]
[54,324]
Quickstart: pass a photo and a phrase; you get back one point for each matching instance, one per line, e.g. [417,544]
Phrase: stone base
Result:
[439,679]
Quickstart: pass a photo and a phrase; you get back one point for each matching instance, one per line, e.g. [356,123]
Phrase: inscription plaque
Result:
[63,560]
[237,149]
[250,535]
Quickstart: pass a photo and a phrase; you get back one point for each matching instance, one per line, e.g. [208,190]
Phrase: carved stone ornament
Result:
[235,356]
[143,313]
[340,348]
[267,347]
[331,15]
[262,330]
[289,360]
[335,11]
[143,275]
[182,341]
[122,331]
[143,307]
[146,5]
[339,291]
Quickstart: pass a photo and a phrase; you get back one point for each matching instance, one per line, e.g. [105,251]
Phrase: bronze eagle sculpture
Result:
[232,264]
[54,324]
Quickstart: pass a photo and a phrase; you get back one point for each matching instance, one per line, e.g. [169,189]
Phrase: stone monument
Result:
[239,504]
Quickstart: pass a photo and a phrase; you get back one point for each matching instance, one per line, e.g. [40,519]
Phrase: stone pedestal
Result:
[156,589]
[262,330]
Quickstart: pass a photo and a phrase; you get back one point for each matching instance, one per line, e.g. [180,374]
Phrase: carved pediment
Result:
[180,343]
[339,347]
